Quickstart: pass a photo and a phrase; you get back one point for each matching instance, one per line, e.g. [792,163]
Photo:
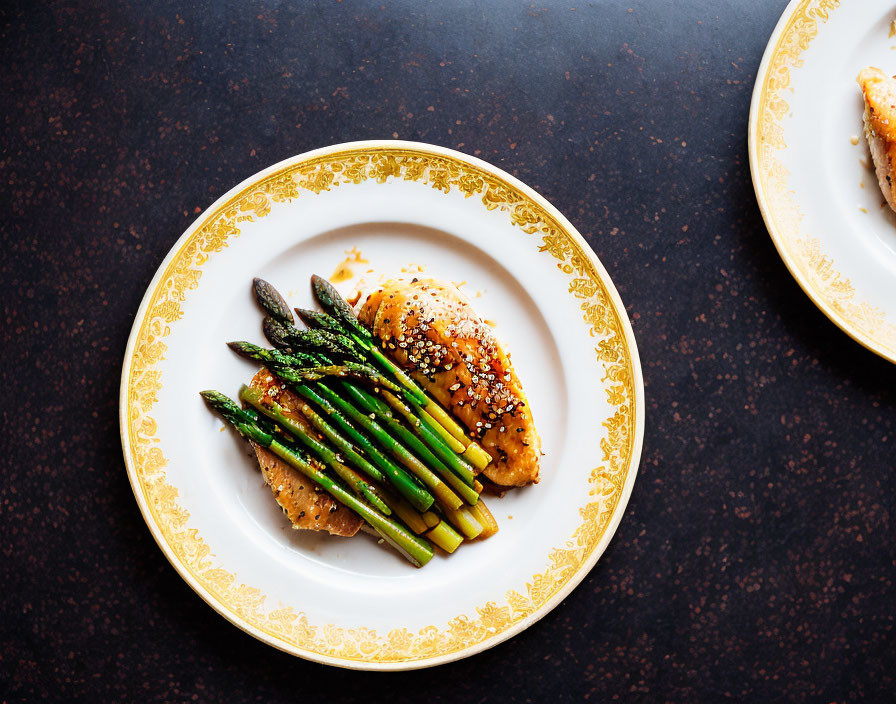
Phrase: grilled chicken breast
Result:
[429,326]
[879,90]
[306,507]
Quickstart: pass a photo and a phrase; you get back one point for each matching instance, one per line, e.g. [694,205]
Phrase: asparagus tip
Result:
[270,299]
[246,349]
[306,316]
[221,403]
[275,331]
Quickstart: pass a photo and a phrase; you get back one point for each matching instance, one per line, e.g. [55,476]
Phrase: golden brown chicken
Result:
[879,90]
[306,507]
[429,326]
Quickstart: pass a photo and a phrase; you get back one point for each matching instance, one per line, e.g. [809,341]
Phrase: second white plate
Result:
[811,167]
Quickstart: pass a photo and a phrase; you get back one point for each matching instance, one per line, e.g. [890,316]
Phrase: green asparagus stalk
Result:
[285,366]
[276,332]
[415,549]
[463,520]
[318,321]
[452,442]
[485,518]
[276,412]
[445,536]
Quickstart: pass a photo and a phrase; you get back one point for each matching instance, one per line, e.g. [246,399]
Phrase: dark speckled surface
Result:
[756,559]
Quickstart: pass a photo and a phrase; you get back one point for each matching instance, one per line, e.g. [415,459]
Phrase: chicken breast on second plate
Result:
[879,91]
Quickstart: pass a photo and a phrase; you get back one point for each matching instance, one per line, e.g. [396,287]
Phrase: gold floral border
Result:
[291,628]
[814,270]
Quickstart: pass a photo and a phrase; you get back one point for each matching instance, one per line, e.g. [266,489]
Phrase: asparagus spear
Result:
[485,518]
[337,306]
[415,549]
[276,412]
[289,367]
[318,321]
[464,520]
[334,304]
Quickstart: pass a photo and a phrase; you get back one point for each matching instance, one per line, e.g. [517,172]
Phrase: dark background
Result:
[756,558]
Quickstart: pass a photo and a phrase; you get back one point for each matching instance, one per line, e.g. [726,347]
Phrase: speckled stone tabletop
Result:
[755,561]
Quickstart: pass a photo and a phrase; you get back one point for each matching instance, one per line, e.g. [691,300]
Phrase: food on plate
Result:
[879,91]
[384,421]
[431,328]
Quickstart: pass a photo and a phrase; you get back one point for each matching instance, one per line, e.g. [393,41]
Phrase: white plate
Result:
[816,188]
[355,603]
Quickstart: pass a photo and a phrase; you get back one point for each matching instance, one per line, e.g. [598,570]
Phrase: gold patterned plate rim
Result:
[814,271]
[441,169]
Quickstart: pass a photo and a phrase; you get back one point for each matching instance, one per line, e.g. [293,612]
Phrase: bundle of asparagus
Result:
[367,434]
